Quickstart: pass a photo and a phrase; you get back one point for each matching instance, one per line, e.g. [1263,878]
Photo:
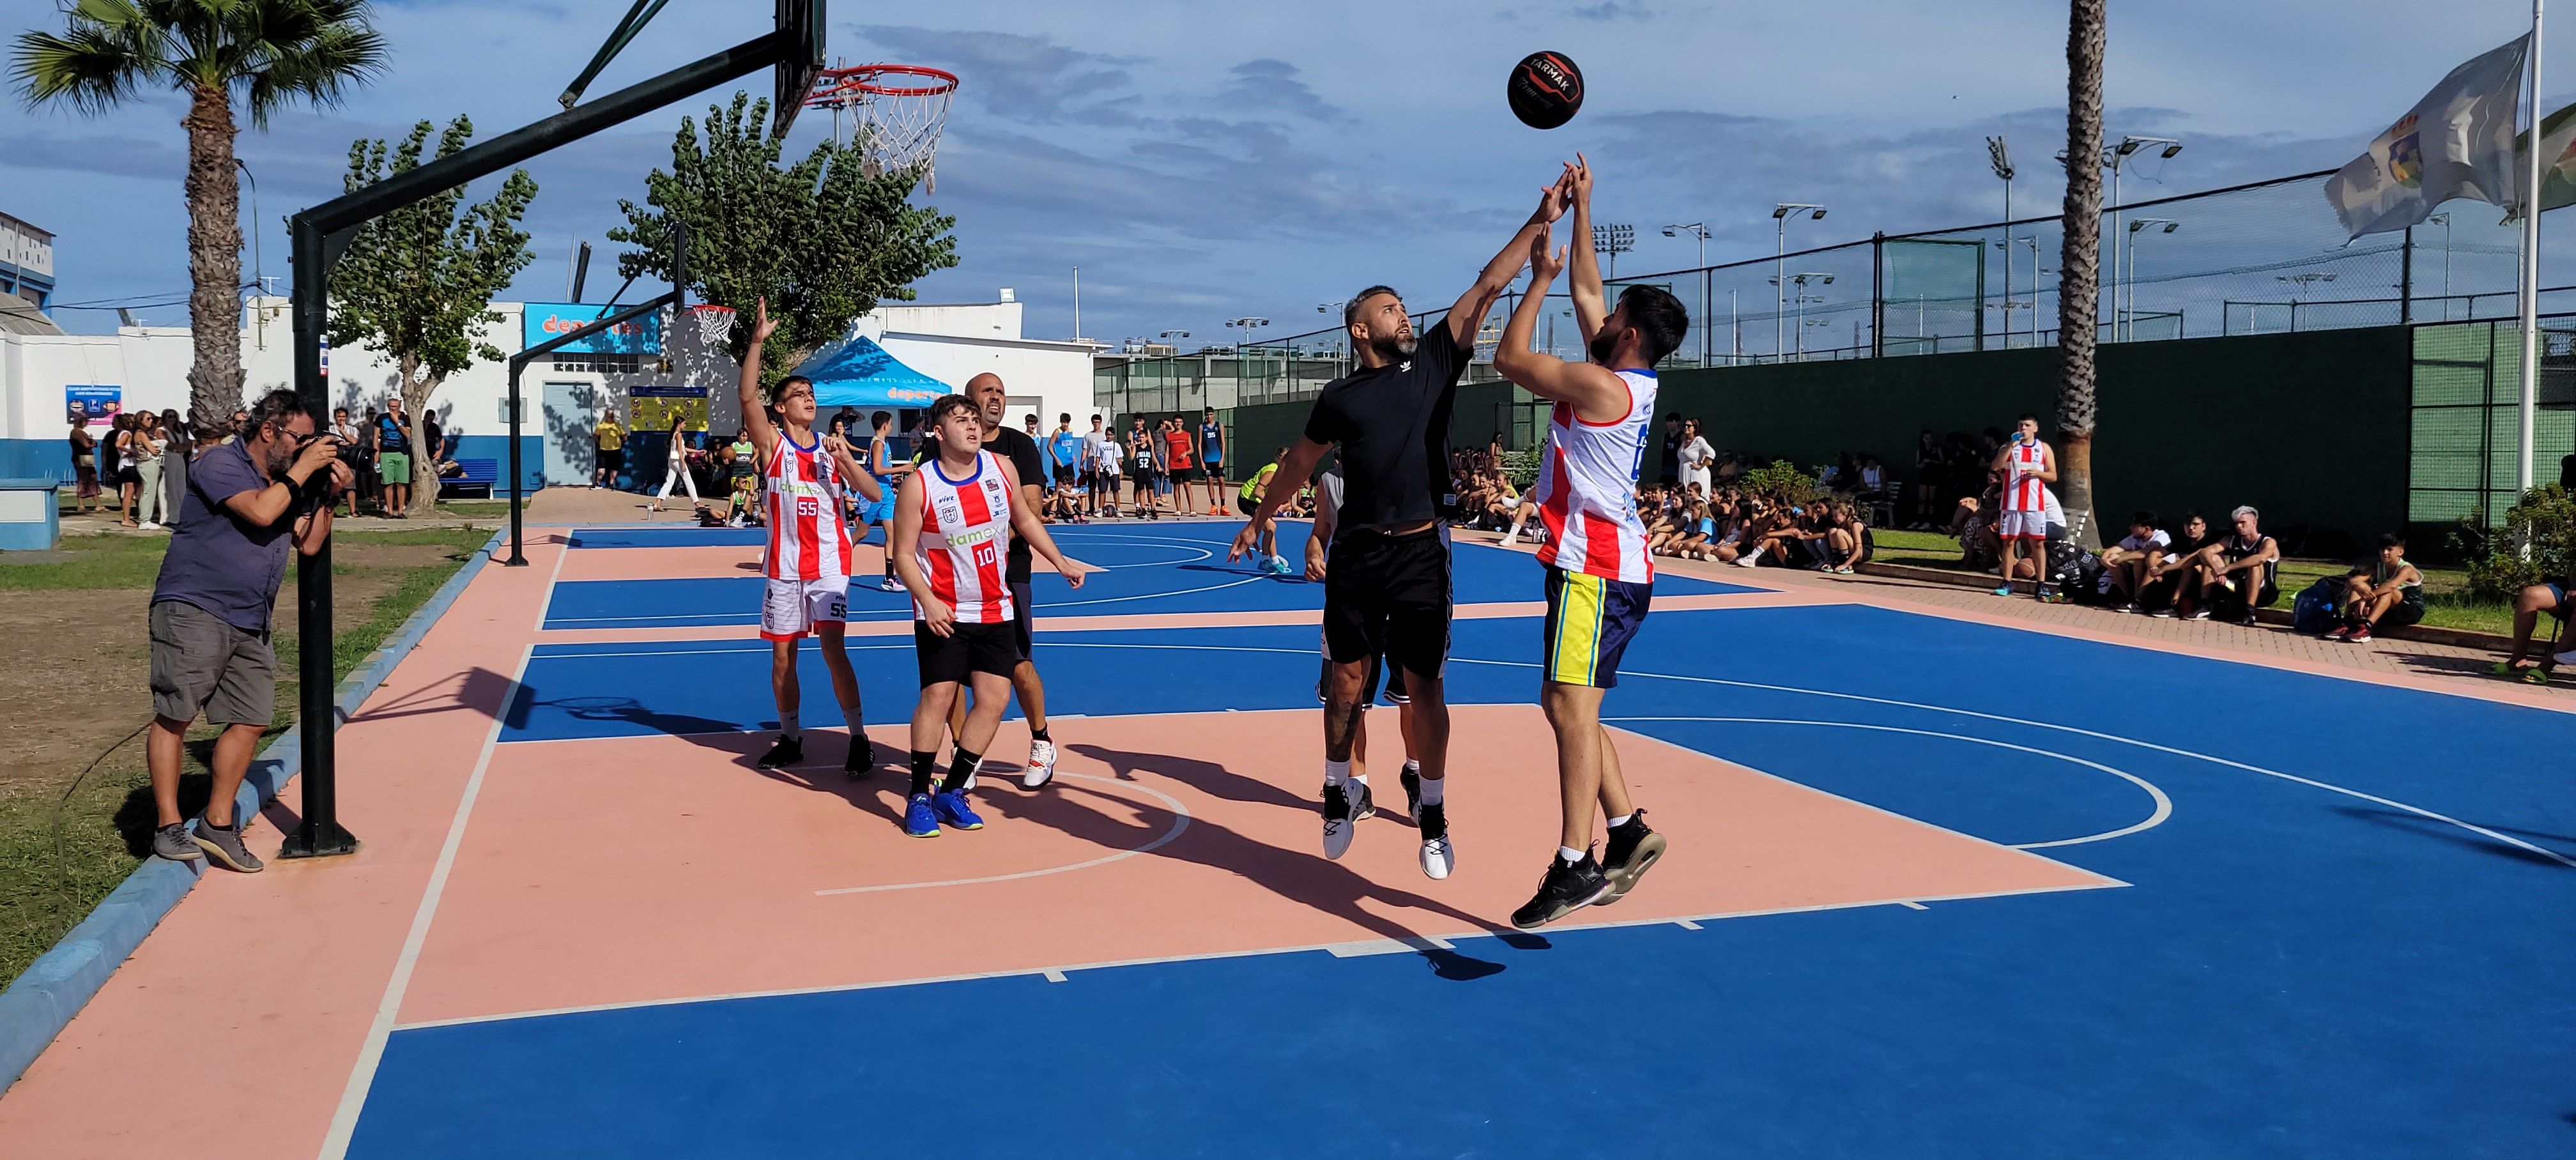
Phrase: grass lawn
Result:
[2446,603]
[75,804]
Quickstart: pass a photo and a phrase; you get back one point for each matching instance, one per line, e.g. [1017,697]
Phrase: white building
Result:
[42,375]
[26,261]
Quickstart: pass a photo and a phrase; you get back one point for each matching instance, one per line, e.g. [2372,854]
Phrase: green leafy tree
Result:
[822,239]
[417,284]
[261,54]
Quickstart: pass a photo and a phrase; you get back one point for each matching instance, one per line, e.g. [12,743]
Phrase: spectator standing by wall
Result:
[1696,458]
[176,448]
[368,486]
[393,458]
[1212,460]
[111,466]
[1668,465]
[247,501]
[84,463]
[346,434]
[433,440]
[147,446]
[608,446]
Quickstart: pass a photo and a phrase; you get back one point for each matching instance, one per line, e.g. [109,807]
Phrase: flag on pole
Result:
[2456,142]
[2557,161]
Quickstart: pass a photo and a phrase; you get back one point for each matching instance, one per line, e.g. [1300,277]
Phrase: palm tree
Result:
[2079,266]
[263,53]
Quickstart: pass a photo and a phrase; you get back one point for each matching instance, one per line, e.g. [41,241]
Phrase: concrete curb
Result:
[2453,637]
[59,983]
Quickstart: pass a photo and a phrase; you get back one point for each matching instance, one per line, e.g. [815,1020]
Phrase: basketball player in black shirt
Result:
[1386,584]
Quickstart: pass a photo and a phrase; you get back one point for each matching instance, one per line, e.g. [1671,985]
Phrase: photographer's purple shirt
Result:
[219,561]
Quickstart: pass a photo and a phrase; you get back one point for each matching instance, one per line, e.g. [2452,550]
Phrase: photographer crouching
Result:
[246,499]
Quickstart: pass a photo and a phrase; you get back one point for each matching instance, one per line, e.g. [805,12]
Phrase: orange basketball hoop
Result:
[897,111]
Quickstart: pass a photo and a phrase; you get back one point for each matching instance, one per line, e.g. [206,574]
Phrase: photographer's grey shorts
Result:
[202,663]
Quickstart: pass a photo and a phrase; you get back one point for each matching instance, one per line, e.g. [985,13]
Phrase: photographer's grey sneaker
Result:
[225,847]
[172,842]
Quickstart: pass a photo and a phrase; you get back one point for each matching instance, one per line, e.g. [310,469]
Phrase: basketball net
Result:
[896,110]
[715,323]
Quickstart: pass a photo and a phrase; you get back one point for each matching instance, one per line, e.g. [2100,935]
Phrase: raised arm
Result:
[1595,393]
[755,418]
[1584,278]
[1468,312]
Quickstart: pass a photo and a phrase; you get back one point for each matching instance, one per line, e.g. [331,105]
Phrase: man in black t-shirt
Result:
[1668,466]
[1386,583]
[1015,445]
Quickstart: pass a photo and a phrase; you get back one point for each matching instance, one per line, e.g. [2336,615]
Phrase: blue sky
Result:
[1200,162]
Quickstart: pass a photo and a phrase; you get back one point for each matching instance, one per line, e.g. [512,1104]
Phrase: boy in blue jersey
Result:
[1212,456]
[1064,461]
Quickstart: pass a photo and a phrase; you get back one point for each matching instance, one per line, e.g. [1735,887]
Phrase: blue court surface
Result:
[1179,568]
[2342,929]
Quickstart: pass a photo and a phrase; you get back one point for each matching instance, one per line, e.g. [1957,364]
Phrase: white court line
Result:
[353,1097]
[2163,805]
[1180,822]
[1913,906]
[1211,956]
[546,599]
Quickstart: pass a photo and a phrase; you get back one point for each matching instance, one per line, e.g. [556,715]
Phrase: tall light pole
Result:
[1247,325]
[1614,239]
[2001,158]
[2130,265]
[2115,158]
[1800,300]
[2445,219]
[1700,231]
[1077,300]
[1780,215]
[2032,241]
[2300,284]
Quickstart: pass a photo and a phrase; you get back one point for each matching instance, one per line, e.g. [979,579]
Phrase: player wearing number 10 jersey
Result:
[807,560]
[953,523]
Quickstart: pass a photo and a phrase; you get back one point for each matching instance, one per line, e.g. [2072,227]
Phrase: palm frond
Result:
[110,51]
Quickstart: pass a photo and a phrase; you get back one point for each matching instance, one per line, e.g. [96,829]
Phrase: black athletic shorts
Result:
[1246,504]
[1022,619]
[967,649]
[1388,594]
[1064,475]
[1395,694]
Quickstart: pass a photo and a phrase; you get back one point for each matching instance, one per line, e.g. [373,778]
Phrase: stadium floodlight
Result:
[1168,335]
[1614,239]
[2116,158]
[2128,268]
[1780,215]
[1700,231]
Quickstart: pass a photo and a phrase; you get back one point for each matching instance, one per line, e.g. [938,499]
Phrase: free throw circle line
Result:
[1180,822]
[2163,805]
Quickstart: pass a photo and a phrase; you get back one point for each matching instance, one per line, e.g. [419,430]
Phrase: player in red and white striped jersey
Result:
[1599,577]
[807,560]
[2029,466]
[953,522]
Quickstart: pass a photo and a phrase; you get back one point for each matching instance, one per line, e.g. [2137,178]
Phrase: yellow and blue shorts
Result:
[1590,620]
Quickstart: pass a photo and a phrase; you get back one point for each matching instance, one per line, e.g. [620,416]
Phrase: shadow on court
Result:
[2428,828]
[1302,877]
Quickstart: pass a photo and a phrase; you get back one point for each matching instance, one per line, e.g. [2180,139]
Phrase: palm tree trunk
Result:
[213,191]
[2079,268]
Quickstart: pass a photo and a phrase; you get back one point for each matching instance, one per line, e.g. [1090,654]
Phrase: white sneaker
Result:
[1344,806]
[149,526]
[1511,537]
[1041,764]
[1747,562]
[1439,854]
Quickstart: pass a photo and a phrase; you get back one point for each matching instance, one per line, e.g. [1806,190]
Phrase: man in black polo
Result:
[991,399]
[1386,584]
[209,621]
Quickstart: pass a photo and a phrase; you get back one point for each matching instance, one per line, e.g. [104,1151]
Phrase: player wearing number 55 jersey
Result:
[1599,577]
[953,523]
[807,560]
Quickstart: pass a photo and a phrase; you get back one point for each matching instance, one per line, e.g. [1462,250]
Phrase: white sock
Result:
[1569,855]
[1413,767]
[1621,820]
[788,726]
[850,717]
[1434,791]
[1757,554]
[1336,772]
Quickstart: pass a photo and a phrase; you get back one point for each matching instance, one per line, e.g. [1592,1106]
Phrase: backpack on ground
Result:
[2316,608]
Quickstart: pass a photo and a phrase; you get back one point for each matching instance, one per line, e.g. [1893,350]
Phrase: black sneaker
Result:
[1566,888]
[788,751]
[1412,783]
[862,759]
[1631,851]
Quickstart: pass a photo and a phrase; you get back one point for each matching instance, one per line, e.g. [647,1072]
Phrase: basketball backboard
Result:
[802,20]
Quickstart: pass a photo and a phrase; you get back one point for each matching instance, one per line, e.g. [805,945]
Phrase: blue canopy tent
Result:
[859,373]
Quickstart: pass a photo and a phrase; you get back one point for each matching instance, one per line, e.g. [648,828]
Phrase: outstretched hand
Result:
[1578,179]
[1545,264]
[761,326]
[1553,199]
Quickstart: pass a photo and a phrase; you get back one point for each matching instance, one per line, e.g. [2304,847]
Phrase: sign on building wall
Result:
[99,403]
[652,408]
[548,320]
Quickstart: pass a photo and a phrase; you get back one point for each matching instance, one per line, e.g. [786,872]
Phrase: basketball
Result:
[1545,90]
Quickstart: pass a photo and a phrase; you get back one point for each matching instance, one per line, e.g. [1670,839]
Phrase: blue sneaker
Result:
[951,807]
[919,818]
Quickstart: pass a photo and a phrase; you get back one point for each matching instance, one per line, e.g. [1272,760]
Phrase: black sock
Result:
[921,766]
[960,768]
[1039,734]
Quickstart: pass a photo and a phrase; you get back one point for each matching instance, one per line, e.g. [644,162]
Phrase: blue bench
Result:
[473,473]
